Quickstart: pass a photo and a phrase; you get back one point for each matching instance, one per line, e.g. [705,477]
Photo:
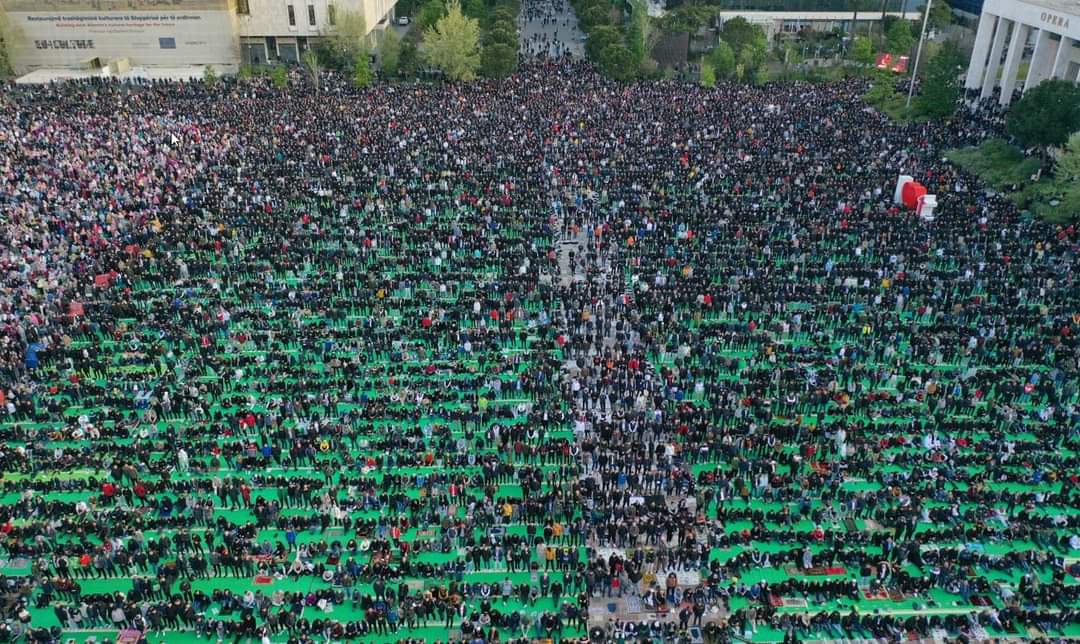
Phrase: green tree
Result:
[348,38]
[9,37]
[738,33]
[453,44]
[362,75]
[430,13]
[498,60]
[501,33]
[1067,173]
[504,14]
[410,59]
[940,14]
[708,74]
[690,18]
[618,62]
[474,8]
[640,34]
[309,62]
[279,76]
[599,38]
[210,76]
[722,58]
[862,50]
[941,85]
[1046,115]
[390,52]
[899,39]
[595,16]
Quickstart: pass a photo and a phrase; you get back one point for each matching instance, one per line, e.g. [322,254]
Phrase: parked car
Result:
[403,20]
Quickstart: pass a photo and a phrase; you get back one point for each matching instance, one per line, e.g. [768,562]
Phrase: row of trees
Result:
[619,40]
[740,54]
[460,45]
[463,46]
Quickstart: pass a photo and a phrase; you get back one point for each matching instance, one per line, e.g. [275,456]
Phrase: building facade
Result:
[82,33]
[1041,34]
[280,30]
[776,22]
[91,34]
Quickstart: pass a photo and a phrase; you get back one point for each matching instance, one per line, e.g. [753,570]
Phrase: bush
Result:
[996,163]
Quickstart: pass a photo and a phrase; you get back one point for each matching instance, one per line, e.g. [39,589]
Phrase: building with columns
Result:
[1044,34]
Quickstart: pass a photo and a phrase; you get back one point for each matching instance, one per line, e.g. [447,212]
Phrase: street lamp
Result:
[918,52]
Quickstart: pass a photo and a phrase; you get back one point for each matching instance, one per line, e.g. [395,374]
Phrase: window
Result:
[331,14]
[311,14]
[292,16]
[243,8]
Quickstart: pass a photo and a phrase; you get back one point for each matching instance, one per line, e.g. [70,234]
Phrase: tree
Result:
[498,60]
[309,62]
[1046,115]
[210,76]
[474,8]
[453,44]
[501,33]
[618,62]
[1067,173]
[862,50]
[941,85]
[722,59]
[503,14]
[279,76]
[410,59]
[390,52]
[348,38]
[599,38]
[899,39]
[640,35]
[430,13]
[690,18]
[708,74]
[9,37]
[595,16]
[940,14]
[738,32]
[362,76]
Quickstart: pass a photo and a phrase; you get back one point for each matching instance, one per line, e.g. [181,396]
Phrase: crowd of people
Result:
[548,29]
[546,358]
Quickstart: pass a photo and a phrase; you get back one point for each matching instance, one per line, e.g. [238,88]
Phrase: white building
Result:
[88,35]
[1042,33]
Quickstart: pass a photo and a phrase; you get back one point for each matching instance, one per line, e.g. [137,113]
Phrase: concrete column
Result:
[1042,60]
[990,79]
[1064,55]
[1012,61]
[977,69]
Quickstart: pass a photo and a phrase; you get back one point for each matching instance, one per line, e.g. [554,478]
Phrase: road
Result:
[550,28]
